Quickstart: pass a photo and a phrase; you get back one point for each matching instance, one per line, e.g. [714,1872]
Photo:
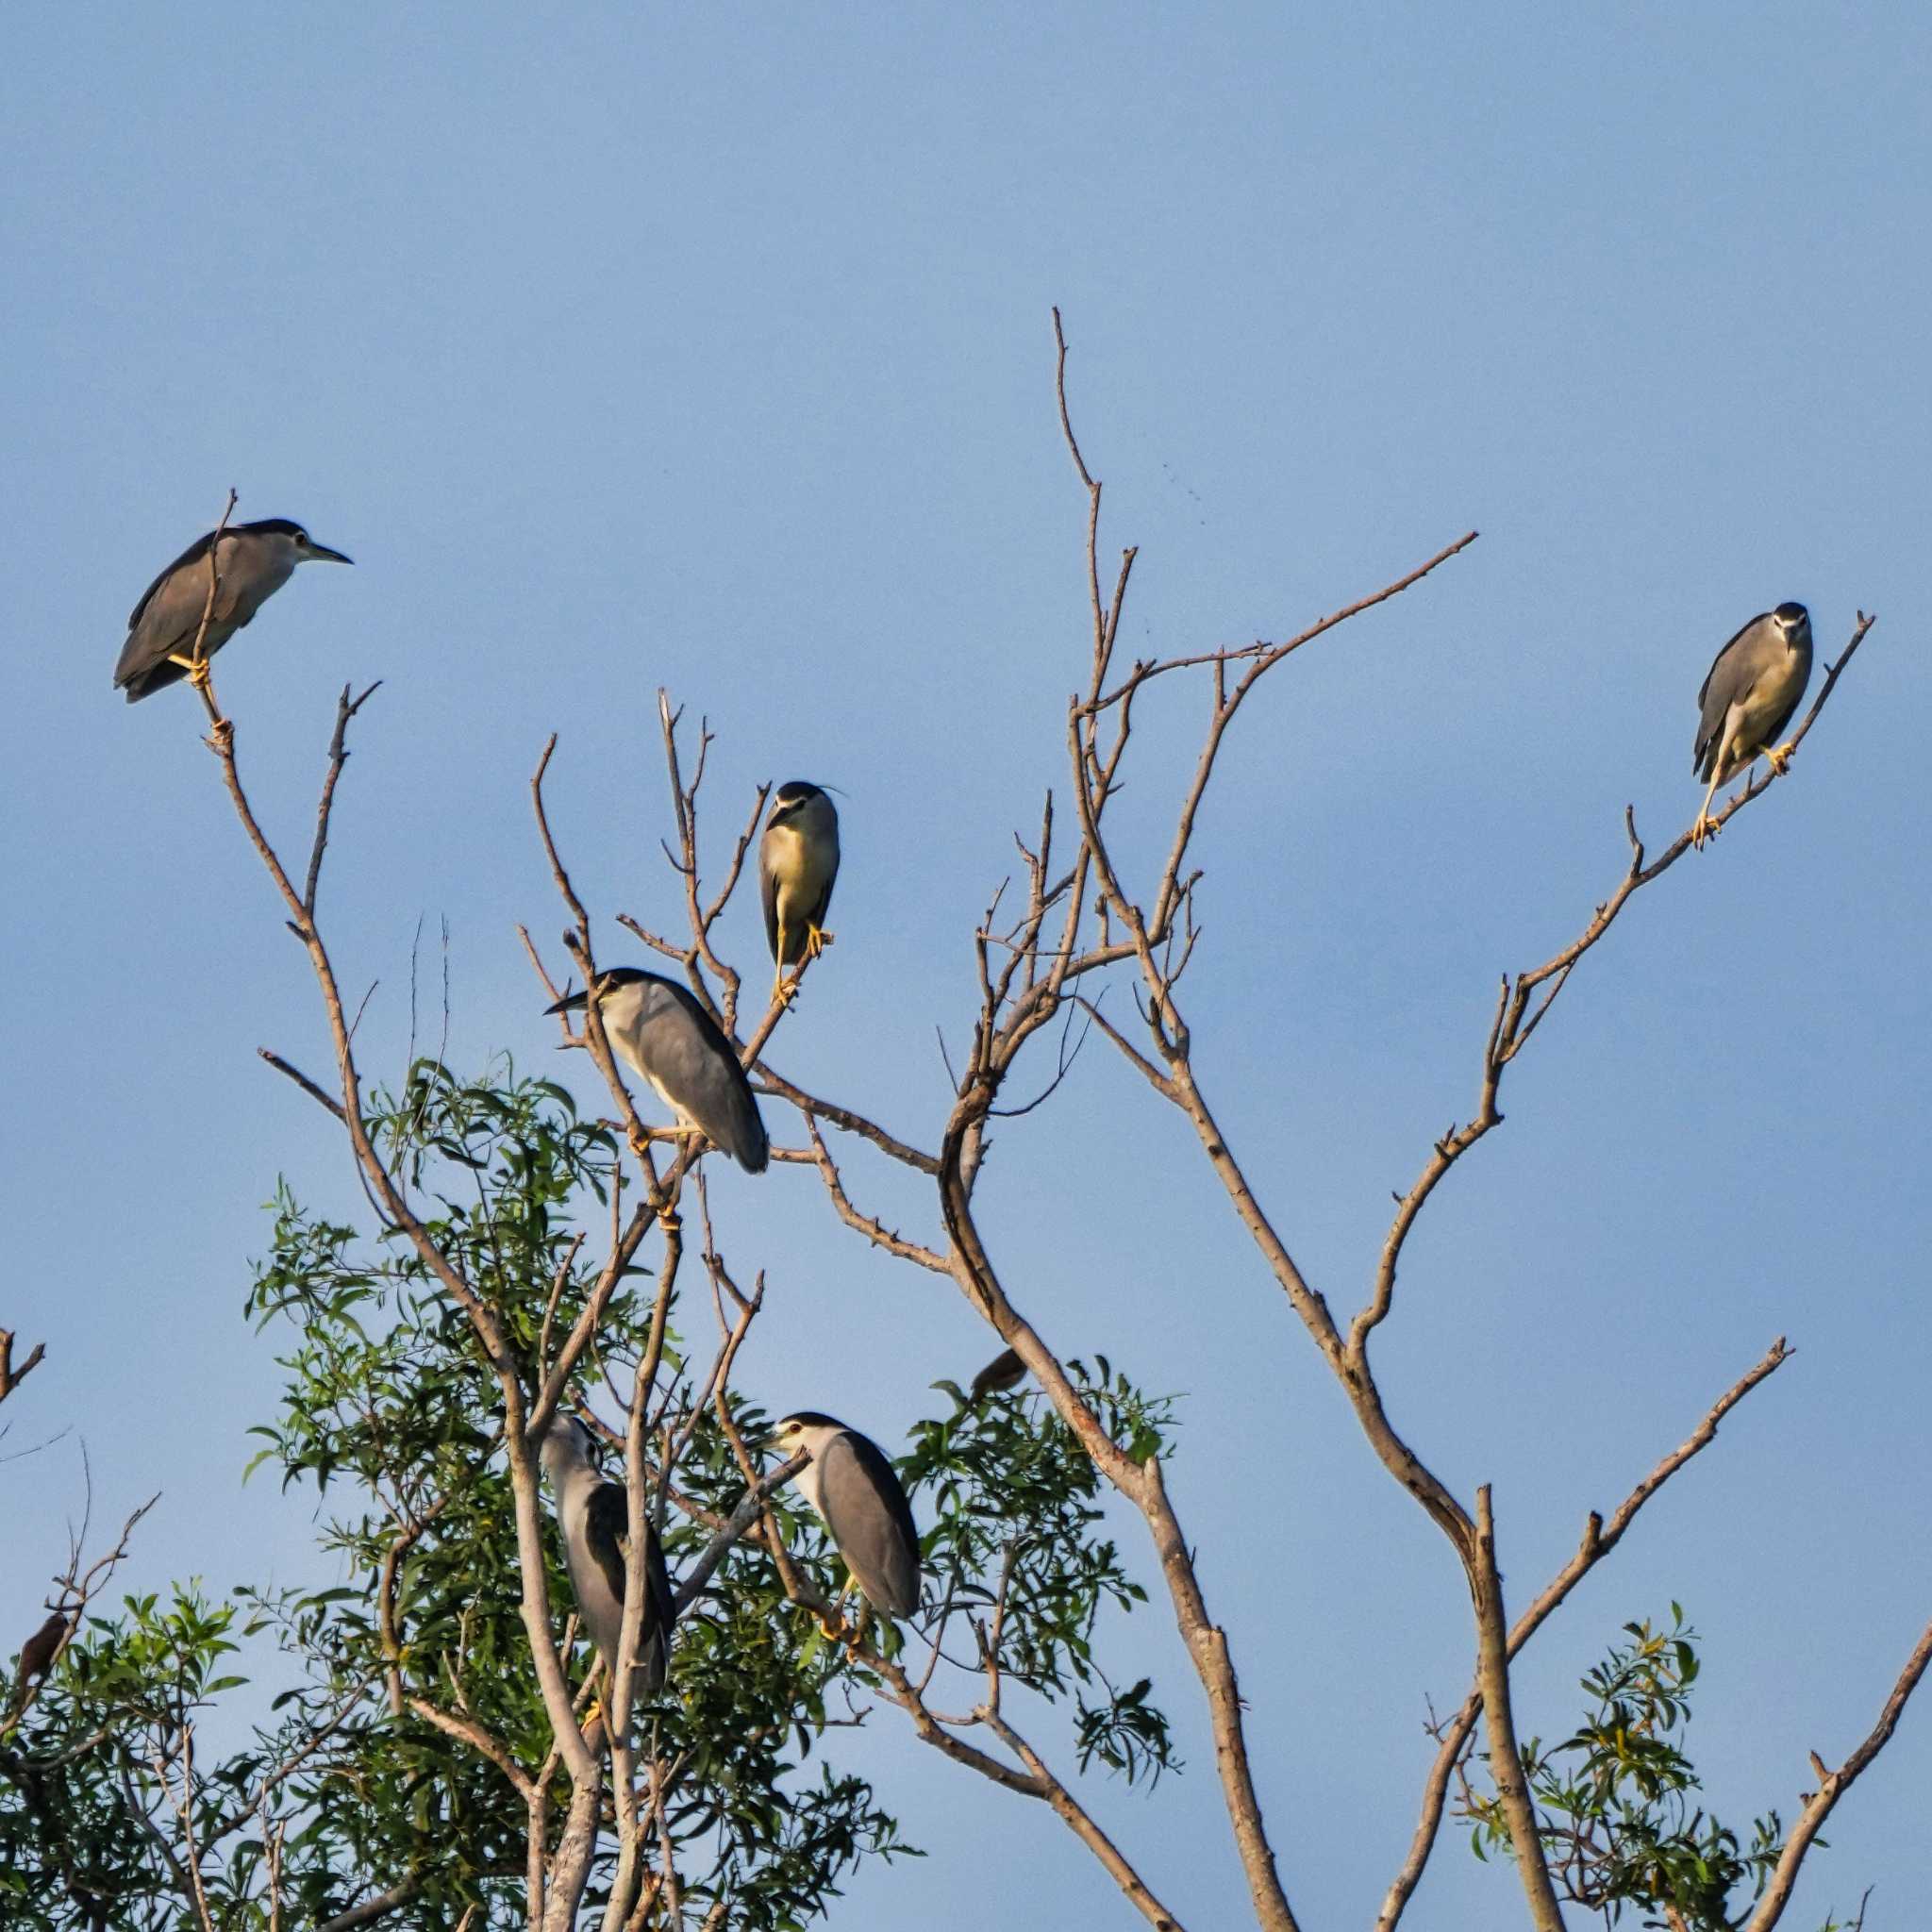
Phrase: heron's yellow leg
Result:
[778,993]
[1778,757]
[816,941]
[1706,827]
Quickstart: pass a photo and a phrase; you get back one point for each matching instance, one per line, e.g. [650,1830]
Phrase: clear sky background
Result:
[710,349]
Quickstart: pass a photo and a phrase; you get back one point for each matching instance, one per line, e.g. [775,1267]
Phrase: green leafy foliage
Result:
[404,1695]
[1016,1535]
[1615,1805]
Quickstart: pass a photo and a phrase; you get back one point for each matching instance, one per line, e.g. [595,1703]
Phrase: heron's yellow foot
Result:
[816,941]
[1778,757]
[639,1141]
[1704,829]
[783,995]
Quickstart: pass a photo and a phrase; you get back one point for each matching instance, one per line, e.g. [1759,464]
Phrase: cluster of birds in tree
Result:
[668,1037]
[1749,695]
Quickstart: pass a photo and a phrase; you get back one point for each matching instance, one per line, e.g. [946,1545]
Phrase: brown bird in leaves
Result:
[1006,1370]
[37,1652]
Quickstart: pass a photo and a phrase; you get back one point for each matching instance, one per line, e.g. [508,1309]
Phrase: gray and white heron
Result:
[854,1492]
[253,561]
[798,865]
[658,1026]
[593,1517]
[1748,696]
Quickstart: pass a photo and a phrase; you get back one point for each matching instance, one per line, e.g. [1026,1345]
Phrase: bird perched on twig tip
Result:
[1747,698]
[252,562]
[798,865]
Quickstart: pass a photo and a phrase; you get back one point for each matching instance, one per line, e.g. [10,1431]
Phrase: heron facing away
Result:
[593,1516]
[658,1026]
[856,1494]
[798,865]
[252,562]
[1748,697]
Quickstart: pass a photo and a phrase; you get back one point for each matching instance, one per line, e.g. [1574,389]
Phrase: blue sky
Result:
[711,349]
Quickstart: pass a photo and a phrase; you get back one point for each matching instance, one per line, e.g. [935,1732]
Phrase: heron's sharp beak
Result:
[321,553]
[569,1003]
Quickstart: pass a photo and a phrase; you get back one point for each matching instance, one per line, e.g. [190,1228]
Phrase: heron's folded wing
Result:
[871,1522]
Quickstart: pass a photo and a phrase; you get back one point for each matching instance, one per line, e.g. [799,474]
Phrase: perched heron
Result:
[253,562]
[593,1517]
[798,865]
[854,1492]
[1006,1370]
[1747,699]
[662,1031]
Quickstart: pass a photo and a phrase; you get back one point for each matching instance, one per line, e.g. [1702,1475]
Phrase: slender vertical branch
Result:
[1506,1761]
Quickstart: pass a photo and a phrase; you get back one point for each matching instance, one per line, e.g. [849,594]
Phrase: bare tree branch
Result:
[1505,1763]
[1082,1824]
[1835,1784]
[11,1377]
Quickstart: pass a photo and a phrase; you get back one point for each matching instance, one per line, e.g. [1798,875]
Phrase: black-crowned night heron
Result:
[253,562]
[854,1493]
[662,1031]
[798,864]
[1006,1370]
[1748,697]
[593,1518]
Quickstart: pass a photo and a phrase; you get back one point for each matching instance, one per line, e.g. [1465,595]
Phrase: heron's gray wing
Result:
[660,1612]
[871,1522]
[683,1048]
[608,1522]
[1724,682]
[768,891]
[164,622]
[198,548]
[1732,674]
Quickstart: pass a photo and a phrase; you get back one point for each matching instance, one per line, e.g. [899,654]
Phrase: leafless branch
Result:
[1835,1784]
[11,1377]
[303,1081]
[1520,1011]
[1492,1676]
[373,1909]
[874,1230]
[1082,1824]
